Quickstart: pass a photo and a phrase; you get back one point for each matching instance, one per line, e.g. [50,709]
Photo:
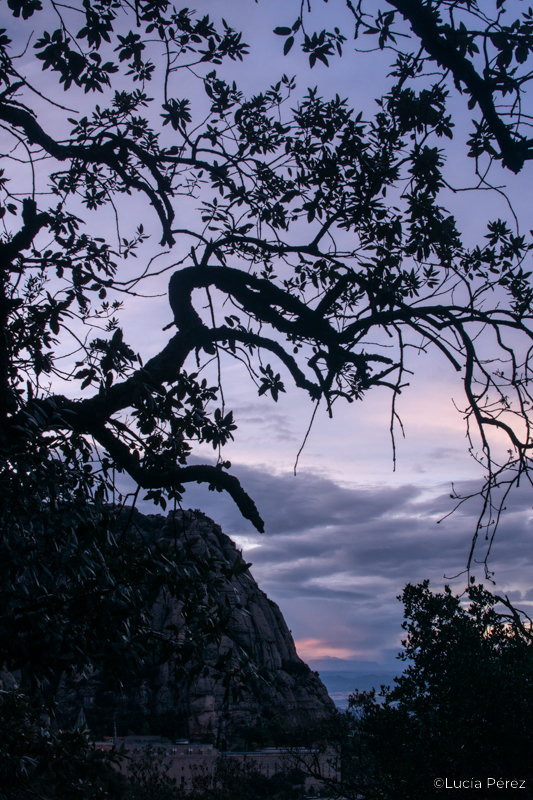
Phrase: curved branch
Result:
[98,154]
[150,478]
[247,337]
[257,295]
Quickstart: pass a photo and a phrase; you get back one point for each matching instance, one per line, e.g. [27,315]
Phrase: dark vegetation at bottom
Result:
[461,711]
[230,780]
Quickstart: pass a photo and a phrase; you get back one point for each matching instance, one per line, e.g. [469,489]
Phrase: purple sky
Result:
[347,533]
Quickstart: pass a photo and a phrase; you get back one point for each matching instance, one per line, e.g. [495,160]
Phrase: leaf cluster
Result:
[482,49]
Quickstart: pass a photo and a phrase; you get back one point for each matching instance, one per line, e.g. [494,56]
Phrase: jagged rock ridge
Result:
[284,688]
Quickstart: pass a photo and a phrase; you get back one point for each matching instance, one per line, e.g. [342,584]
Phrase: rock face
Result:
[282,688]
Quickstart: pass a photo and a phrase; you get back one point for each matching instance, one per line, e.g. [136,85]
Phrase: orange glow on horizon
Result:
[309,649]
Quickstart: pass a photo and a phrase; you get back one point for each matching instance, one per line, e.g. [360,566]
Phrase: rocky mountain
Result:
[280,686]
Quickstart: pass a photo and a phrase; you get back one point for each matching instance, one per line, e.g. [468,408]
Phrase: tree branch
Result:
[9,251]
[150,478]
[98,154]
[423,23]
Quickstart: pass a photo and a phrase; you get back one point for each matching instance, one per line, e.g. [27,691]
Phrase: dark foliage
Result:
[462,710]
[149,779]
[233,780]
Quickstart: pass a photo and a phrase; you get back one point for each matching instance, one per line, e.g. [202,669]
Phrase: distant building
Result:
[185,760]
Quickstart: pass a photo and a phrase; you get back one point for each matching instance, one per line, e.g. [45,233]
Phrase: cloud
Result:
[335,557]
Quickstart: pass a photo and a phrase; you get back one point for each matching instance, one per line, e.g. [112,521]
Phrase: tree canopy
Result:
[302,238]
[300,192]
[462,709]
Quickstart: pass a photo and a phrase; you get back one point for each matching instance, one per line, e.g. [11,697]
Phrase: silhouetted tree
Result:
[296,239]
[463,709]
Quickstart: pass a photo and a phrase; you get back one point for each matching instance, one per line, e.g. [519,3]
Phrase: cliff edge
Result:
[280,687]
